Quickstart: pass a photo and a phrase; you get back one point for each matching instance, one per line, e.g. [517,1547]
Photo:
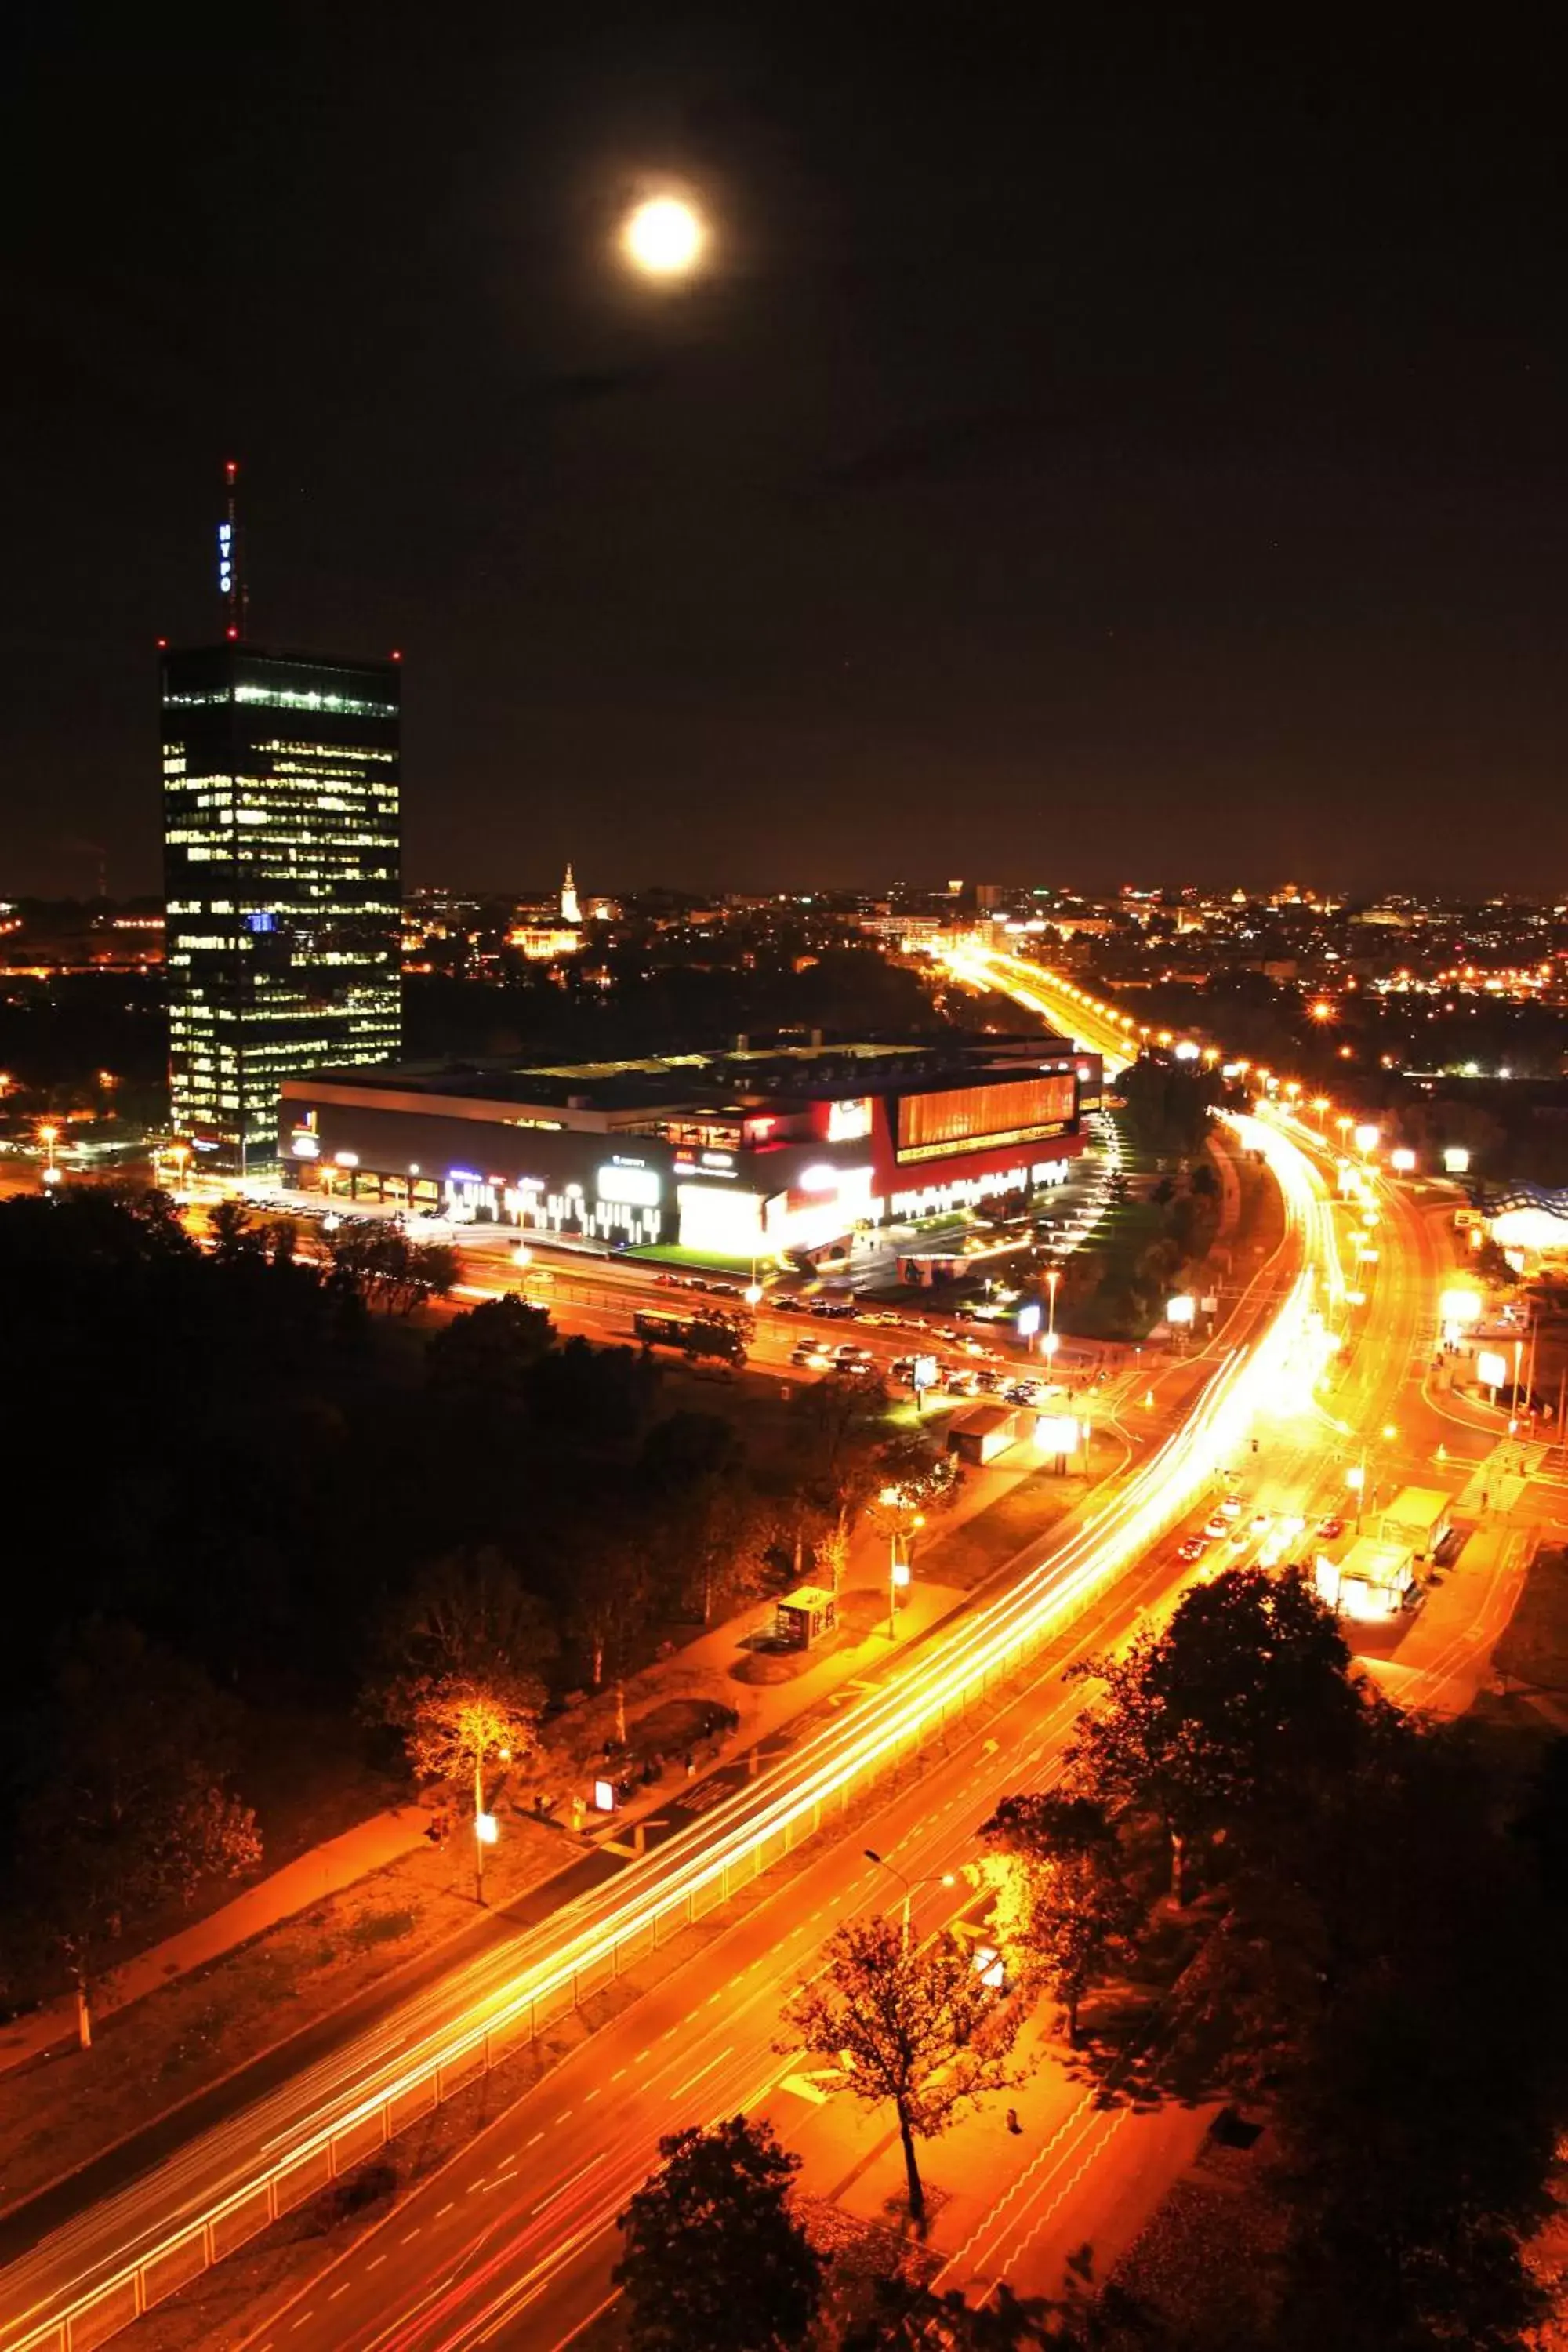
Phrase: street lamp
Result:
[48,1136]
[891,1499]
[1052,1279]
[487,1829]
[1355,1478]
[910,1886]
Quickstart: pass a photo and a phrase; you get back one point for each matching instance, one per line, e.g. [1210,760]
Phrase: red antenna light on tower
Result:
[230,570]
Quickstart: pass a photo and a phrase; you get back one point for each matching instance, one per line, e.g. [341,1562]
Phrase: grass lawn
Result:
[699,1261]
[1534,1646]
[965,1555]
[1121,1238]
[155,2054]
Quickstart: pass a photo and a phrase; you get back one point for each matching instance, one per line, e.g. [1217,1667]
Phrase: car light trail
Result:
[101,2272]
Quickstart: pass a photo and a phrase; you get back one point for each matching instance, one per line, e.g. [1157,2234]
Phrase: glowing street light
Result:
[910,1886]
[664,238]
[1367,1139]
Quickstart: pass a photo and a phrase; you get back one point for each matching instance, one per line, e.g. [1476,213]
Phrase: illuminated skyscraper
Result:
[281,870]
[570,910]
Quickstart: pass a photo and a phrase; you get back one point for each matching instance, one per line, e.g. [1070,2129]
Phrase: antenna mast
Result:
[230,567]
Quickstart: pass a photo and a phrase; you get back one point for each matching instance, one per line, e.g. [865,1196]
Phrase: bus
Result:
[660,1331]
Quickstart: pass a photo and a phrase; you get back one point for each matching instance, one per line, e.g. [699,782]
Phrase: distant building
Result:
[571,913]
[281,856]
[542,942]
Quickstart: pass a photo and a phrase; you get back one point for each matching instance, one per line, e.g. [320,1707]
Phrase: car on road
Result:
[1216,1525]
[787,1304]
[1329,1529]
[1191,1547]
[1261,1523]
[1231,1508]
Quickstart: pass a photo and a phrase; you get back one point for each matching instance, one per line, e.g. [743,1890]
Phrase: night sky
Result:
[1098,451]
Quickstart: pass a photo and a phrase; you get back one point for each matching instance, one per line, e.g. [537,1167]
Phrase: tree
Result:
[468,1614]
[837,1425]
[923,1476]
[486,1355]
[1420,2104]
[234,1235]
[720,1334]
[714,2260]
[462,1651]
[610,1592]
[918,2028]
[1220,1720]
[595,1397]
[387,1270]
[131,1802]
[705,1525]
[1064,1906]
[907,2317]
[1167,1106]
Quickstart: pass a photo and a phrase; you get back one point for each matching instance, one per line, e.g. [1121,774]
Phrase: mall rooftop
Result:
[746,1073]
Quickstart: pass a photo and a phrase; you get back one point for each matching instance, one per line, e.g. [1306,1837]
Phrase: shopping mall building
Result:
[768,1149]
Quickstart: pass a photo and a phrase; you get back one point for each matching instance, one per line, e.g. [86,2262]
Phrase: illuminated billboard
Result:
[848,1122]
[971,1119]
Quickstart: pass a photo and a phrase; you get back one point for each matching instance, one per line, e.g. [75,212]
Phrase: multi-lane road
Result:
[514,2240]
[164,2217]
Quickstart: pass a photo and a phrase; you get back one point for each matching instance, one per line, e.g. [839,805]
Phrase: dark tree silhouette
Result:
[714,2260]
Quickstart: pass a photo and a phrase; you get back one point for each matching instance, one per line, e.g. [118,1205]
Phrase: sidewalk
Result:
[1445,1658]
[1006,2204]
[323,1870]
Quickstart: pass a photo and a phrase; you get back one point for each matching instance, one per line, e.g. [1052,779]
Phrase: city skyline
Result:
[1066,443]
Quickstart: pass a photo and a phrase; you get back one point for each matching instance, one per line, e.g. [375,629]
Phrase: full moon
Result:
[663,236]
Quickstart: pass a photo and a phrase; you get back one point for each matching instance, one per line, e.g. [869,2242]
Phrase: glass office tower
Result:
[281,872]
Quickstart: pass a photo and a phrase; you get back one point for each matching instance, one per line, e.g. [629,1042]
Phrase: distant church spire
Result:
[570,911]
